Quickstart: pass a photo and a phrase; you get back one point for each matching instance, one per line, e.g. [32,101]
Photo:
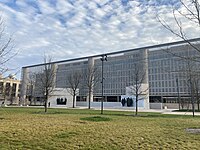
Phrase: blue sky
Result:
[68,29]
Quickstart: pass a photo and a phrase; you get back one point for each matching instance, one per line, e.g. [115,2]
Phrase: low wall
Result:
[98,104]
[171,105]
[81,104]
[176,106]
[156,106]
[105,105]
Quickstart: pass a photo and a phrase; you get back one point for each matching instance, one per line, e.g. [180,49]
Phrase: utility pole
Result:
[192,95]
[103,58]
[178,93]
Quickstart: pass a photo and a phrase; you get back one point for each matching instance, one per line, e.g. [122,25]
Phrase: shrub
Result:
[123,102]
[129,102]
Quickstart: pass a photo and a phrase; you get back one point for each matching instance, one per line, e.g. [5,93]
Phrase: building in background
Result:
[171,71]
[9,90]
[165,69]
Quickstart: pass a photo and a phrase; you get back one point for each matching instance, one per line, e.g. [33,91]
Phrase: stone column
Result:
[91,73]
[16,93]
[54,68]
[24,84]
[145,64]
[4,92]
[118,99]
[146,80]
[10,92]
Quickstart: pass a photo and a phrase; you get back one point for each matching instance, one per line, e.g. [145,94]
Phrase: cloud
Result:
[76,28]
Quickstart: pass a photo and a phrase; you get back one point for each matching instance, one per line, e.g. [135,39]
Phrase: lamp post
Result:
[192,94]
[103,58]
[178,92]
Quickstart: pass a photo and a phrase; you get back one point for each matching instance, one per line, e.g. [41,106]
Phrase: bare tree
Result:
[6,92]
[6,53]
[6,48]
[137,88]
[45,79]
[187,11]
[193,78]
[191,75]
[91,77]
[197,90]
[30,88]
[73,82]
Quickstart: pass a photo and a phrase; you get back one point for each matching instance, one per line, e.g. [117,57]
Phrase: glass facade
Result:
[166,72]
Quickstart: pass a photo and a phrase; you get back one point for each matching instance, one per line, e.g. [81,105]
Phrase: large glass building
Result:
[166,71]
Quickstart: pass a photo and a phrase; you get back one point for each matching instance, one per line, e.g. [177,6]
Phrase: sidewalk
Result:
[182,113]
[162,111]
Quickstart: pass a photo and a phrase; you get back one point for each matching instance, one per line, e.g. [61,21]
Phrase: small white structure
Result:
[60,97]
[140,102]
[143,102]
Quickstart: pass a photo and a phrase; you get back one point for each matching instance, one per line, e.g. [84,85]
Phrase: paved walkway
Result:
[162,111]
[182,113]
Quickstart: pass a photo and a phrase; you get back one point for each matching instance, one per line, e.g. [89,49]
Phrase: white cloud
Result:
[63,7]
[46,8]
[82,29]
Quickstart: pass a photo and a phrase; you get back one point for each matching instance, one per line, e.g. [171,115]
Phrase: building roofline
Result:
[118,52]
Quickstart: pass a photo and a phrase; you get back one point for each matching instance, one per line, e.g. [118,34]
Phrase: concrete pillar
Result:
[10,92]
[54,68]
[145,64]
[91,73]
[146,81]
[105,98]
[4,92]
[24,84]
[17,89]
[17,93]
[118,99]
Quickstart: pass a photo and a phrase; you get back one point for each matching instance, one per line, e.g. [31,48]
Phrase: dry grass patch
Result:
[24,128]
[96,118]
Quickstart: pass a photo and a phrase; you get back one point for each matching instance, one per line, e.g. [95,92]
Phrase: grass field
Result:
[30,128]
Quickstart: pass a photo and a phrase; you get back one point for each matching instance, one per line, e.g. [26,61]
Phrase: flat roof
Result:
[122,51]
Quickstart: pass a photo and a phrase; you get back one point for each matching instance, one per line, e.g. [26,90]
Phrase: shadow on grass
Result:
[70,111]
[65,111]
[186,110]
[66,134]
[96,118]
[150,115]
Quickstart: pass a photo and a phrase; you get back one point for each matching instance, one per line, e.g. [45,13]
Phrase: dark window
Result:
[1,87]
[155,99]
[112,99]
[61,101]
[7,92]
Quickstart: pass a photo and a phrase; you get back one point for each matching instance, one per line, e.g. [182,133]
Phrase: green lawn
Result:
[30,128]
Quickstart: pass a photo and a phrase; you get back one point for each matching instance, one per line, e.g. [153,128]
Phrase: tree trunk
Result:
[74,101]
[89,99]
[197,97]
[45,106]
[136,106]
[45,103]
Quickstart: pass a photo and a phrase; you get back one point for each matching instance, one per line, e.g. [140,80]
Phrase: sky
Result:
[66,29]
